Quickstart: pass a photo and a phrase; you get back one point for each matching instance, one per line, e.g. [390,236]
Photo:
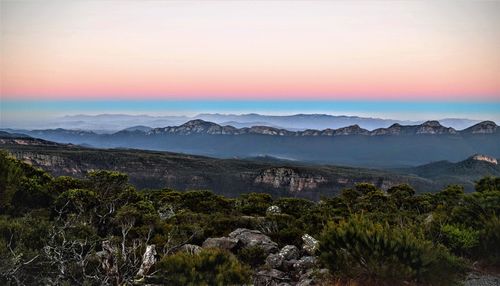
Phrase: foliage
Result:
[490,240]
[361,249]
[209,267]
[461,240]
[95,230]
[252,255]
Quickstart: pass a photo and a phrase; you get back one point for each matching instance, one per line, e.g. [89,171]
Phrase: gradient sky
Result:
[432,52]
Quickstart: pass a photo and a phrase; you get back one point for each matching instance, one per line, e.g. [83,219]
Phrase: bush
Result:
[209,267]
[460,240]
[362,250]
[253,255]
[490,240]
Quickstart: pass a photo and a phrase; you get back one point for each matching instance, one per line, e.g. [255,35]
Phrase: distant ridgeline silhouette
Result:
[395,146]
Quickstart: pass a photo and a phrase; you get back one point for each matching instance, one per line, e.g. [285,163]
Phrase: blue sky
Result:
[14,111]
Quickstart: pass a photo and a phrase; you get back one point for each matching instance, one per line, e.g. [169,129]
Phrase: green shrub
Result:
[209,267]
[489,240]
[253,255]
[360,249]
[460,240]
[254,203]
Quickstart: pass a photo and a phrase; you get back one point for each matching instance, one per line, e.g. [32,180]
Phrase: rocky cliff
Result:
[148,169]
[289,179]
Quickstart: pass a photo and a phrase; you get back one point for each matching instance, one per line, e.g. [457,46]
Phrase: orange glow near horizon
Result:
[250,50]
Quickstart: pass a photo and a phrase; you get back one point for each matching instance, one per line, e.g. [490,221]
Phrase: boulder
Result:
[271,277]
[273,210]
[310,244]
[254,238]
[281,260]
[306,282]
[274,260]
[290,252]
[305,263]
[190,248]
[226,243]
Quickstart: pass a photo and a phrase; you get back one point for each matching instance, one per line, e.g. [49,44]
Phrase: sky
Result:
[391,59]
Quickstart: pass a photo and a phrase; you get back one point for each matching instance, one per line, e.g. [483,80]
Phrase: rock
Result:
[307,275]
[254,238]
[480,279]
[485,127]
[289,178]
[306,282]
[272,210]
[272,277]
[484,158]
[306,262]
[310,244]
[190,248]
[275,260]
[290,252]
[288,265]
[148,260]
[226,243]
[287,253]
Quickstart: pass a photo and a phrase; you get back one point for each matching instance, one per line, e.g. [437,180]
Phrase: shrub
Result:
[253,255]
[366,251]
[255,203]
[209,267]
[489,240]
[460,240]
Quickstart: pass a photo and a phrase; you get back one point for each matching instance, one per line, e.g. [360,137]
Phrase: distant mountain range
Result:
[395,146]
[231,177]
[109,123]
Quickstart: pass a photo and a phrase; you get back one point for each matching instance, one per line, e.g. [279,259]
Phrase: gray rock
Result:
[288,265]
[481,279]
[272,277]
[254,238]
[274,260]
[281,259]
[226,243]
[190,248]
[306,282]
[272,210]
[290,252]
[305,263]
[310,244]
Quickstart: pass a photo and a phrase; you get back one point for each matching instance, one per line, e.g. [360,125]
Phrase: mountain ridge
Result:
[395,146]
[199,126]
[109,123]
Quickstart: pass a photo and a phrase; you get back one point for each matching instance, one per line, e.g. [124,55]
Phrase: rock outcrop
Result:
[226,243]
[484,158]
[190,248]
[310,244]
[288,178]
[252,238]
[485,127]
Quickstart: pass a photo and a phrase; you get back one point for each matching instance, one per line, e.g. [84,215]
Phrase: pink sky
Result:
[250,50]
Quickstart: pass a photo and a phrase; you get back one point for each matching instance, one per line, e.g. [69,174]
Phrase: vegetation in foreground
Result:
[100,231]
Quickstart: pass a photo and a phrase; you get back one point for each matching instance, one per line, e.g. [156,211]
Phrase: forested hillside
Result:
[102,231]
